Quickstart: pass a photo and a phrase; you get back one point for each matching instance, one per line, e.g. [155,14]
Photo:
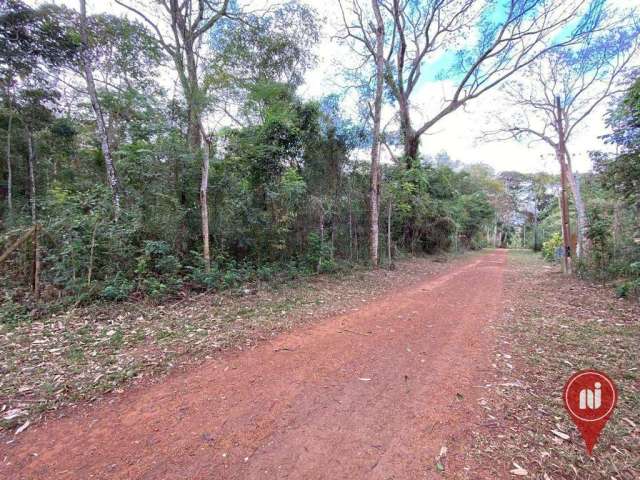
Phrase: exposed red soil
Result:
[372,394]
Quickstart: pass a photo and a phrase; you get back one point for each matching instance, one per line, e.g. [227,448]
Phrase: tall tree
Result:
[374,189]
[621,172]
[9,168]
[112,177]
[369,33]
[509,36]
[189,21]
[583,77]
[31,40]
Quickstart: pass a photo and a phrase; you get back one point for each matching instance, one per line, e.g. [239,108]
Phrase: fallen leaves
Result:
[518,471]
[23,427]
[440,459]
[14,413]
[552,326]
[560,434]
[80,354]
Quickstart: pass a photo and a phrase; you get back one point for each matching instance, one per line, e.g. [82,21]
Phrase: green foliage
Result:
[12,312]
[614,228]
[599,232]
[319,256]
[118,288]
[550,247]
[288,169]
[631,287]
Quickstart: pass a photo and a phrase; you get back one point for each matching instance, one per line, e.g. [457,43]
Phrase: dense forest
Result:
[162,150]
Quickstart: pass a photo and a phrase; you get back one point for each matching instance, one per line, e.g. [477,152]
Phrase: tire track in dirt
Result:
[374,393]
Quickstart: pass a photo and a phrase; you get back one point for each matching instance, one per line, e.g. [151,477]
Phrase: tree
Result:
[273,46]
[188,22]
[621,173]
[541,198]
[30,40]
[582,77]
[374,192]
[510,36]
[371,37]
[112,177]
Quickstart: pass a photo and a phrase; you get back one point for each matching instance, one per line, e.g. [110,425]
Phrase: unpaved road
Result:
[372,394]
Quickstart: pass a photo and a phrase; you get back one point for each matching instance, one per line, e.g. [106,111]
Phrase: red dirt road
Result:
[371,394]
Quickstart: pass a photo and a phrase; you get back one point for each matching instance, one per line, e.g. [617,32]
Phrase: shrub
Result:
[265,272]
[168,265]
[118,288]
[154,287]
[12,313]
[209,280]
[631,287]
[550,246]
[318,257]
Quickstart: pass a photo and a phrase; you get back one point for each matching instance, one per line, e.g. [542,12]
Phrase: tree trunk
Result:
[636,234]
[408,135]
[36,261]
[615,231]
[536,246]
[374,191]
[411,146]
[112,177]
[321,230]
[564,214]
[564,203]
[581,211]
[204,205]
[389,232]
[9,170]
[350,224]
[192,94]
[31,160]
[195,132]
[34,218]
[92,250]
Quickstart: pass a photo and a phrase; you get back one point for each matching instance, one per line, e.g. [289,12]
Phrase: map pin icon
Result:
[590,397]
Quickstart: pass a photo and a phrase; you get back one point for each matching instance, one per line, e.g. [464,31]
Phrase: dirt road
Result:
[373,394]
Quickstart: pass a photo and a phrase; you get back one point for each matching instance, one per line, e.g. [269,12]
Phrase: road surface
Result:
[372,394]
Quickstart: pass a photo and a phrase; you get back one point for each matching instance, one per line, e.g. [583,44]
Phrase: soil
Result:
[374,393]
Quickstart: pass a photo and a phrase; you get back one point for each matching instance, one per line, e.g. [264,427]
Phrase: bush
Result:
[631,287]
[318,257]
[12,313]
[154,287]
[208,280]
[118,288]
[168,265]
[550,246]
[628,289]
[265,273]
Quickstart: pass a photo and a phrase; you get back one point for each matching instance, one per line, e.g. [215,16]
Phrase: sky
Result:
[460,134]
